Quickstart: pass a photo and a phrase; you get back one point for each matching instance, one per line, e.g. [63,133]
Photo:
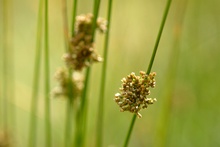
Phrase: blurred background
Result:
[187,67]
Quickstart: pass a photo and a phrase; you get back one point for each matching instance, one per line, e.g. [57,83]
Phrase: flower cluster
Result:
[134,91]
[82,52]
[63,89]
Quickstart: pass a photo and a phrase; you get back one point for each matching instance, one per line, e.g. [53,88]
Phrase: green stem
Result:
[151,62]
[69,111]
[84,100]
[74,17]
[95,16]
[34,102]
[130,130]
[47,78]
[103,79]
[81,115]
[159,35]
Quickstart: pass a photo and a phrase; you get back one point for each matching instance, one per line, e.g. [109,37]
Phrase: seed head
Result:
[62,77]
[134,91]
[82,52]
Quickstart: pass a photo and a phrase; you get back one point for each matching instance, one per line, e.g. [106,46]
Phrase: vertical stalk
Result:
[84,100]
[34,100]
[69,111]
[47,78]
[82,113]
[74,16]
[103,79]
[151,62]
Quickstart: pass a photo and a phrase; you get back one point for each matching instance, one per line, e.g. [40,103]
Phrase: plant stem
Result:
[69,111]
[95,16]
[84,99]
[34,102]
[151,61]
[74,17]
[159,35]
[47,84]
[130,130]
[82,113]
[103,79]
[81,116]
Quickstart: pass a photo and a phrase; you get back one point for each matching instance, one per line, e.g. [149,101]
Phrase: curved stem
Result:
[159,35]
[151,62]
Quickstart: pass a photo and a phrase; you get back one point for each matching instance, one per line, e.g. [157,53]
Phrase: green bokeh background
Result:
[187,66]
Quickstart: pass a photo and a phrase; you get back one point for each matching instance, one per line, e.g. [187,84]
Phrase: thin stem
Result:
[151,62]
[130,130]
[69,111]
[159,35]
[74,16]
[84,100]
[47,78]
[103,79]
[34,102]
[95,15]
[81,115]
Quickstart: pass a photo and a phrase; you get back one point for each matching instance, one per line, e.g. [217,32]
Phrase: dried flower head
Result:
[62,77]
[134,91]
[83,53]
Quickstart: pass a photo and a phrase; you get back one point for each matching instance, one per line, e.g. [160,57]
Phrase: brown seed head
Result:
[62,77]
[83,53]
[133,93]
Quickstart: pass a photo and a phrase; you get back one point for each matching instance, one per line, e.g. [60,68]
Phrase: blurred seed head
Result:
[62,77]
[82,53]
